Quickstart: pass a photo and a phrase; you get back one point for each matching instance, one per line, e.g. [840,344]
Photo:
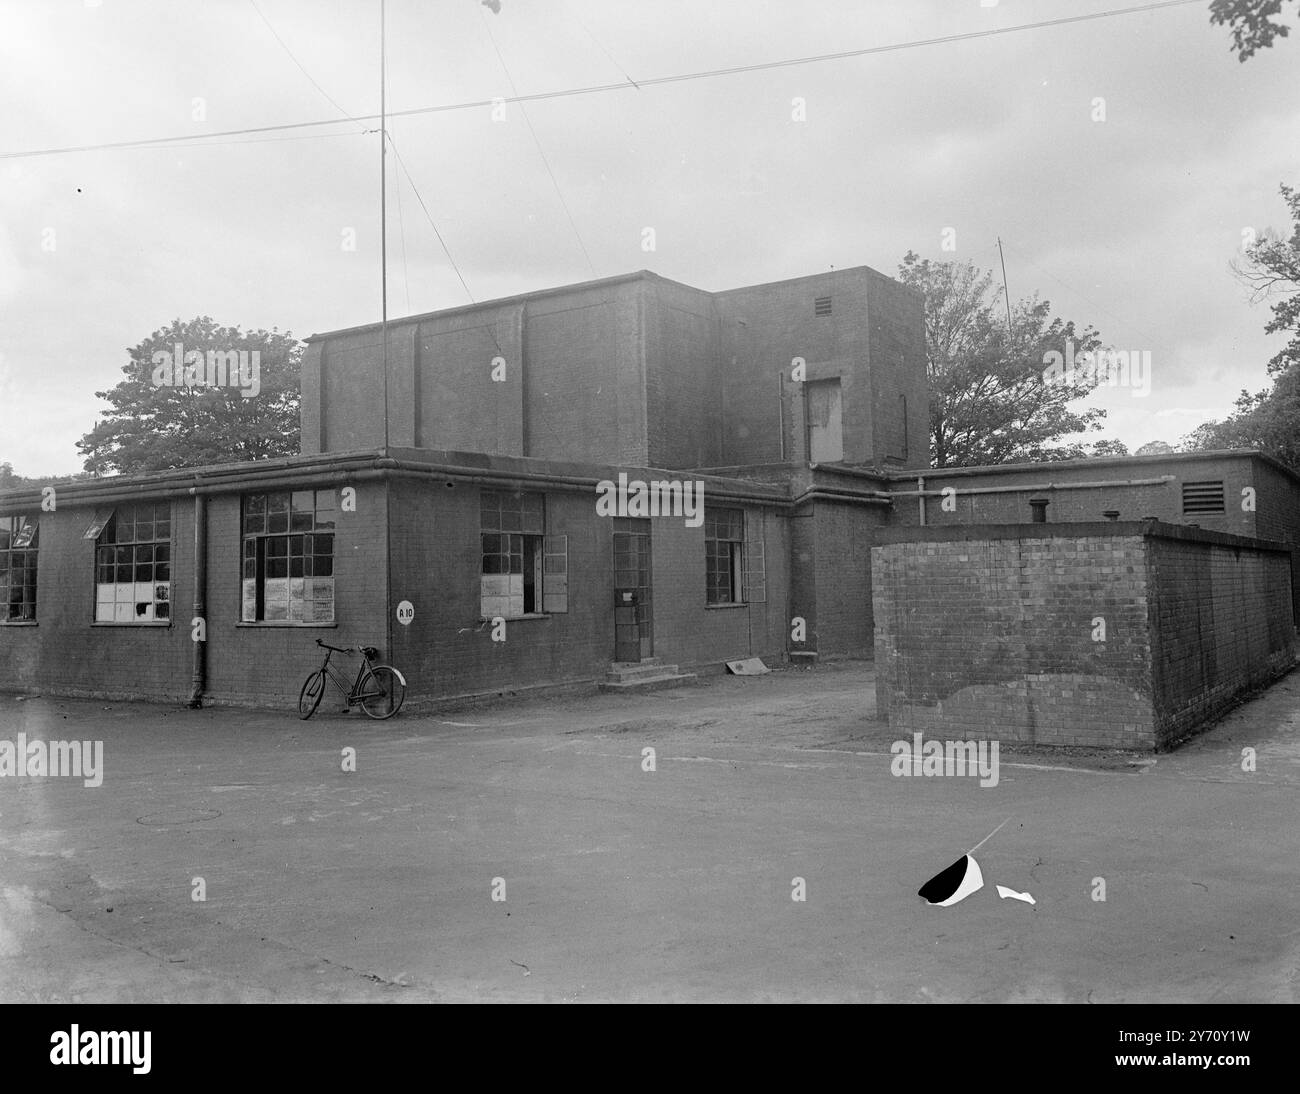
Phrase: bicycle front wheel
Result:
[310,696]
[384,691]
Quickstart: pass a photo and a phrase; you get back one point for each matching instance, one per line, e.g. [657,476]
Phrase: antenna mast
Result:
[1005,291]
[383,215]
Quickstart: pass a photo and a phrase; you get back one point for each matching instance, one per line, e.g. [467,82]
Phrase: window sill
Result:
[17,622]
[516,618]
[277,624]
[724,607]
[164,623]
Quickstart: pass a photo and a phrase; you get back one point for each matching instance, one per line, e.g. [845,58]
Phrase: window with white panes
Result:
[18,543]
[133,565]
[288,557]
[524,572]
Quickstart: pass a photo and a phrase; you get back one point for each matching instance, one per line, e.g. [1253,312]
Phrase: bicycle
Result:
[378,689]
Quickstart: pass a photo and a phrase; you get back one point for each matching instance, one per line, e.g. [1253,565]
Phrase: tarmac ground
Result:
[523,850]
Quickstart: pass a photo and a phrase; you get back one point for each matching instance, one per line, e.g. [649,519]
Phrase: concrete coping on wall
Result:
[343,468]
[1149,529]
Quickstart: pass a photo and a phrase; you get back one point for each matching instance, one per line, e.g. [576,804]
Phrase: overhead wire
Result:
[654,81]
[392,144]
[559,193]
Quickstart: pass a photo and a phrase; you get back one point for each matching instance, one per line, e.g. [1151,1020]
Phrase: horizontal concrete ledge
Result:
[1149,529]
[348,468]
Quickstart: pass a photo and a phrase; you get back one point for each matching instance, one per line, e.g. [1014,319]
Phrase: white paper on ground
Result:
[1004,892]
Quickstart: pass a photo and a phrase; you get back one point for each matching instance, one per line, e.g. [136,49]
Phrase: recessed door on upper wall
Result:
[825,421]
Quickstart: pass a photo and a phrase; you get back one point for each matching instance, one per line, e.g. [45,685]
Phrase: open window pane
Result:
[287,561]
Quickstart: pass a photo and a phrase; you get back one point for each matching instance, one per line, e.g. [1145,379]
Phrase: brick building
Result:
[466,487]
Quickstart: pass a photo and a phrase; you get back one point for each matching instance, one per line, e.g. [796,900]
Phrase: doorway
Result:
[633,600]
[825,421]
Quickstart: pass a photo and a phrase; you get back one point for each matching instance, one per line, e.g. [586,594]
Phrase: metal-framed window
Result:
[524,571]
[133,576]
[288,557]
[19,536]
[724,554]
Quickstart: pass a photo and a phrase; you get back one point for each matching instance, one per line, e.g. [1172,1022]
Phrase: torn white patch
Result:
[1004,892]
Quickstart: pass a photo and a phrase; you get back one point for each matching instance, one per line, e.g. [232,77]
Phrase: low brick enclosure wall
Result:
[1117,635]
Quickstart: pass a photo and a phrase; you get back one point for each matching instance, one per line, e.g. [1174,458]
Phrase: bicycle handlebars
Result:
[368,652]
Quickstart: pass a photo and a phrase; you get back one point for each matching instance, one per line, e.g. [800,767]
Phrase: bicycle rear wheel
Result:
[384,692]
[310,696]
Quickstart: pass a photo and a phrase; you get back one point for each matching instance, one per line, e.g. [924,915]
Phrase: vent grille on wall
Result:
[822,305]
[1203,497]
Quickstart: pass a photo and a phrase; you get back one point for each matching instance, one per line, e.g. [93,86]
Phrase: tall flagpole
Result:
[383,317]
[383,216]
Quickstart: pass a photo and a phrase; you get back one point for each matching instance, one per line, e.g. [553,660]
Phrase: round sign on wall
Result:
[405,613]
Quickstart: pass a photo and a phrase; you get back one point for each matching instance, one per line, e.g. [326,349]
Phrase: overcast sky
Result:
[1128,224]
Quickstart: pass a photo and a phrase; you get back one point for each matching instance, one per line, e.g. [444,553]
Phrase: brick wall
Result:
[991,631]
[839,571]
[1277,516]
[762,328]
[350,386]
[437,564]
[691,633]
[67,653]
[447,651]
[897,362]
[267,664]
[636,370]
[1222,623]
[683,410]
[459,405]
[584,382]
[1162,500]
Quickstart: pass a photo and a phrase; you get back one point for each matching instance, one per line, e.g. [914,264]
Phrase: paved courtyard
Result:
[625,884]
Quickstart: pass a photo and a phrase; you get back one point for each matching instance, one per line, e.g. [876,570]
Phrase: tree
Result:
[1252,27]
[1268,420]
[1271,269]
[232,396]
[990,401]
[1155,448]
[1111,448]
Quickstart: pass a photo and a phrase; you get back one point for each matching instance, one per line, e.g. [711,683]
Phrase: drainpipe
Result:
[198,679]
[780,408]
[920,496]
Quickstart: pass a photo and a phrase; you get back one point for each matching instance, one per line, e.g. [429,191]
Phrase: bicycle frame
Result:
[352,692]
[379,689]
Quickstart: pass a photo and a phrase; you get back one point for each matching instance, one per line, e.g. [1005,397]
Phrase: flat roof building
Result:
[634,476]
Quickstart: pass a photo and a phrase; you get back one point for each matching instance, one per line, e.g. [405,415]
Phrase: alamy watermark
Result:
[113,1047]
[946,758]
[637,498]
[36,759]
[1128,368]
[179,367]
